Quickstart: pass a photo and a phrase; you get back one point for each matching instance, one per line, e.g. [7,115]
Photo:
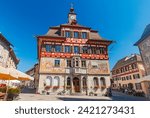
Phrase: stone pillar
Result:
[99,81]
[65,83]
[41,84]
[81,85]
[72,87]
[88,87]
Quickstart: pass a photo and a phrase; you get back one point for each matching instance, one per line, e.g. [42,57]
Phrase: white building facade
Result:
[8,58]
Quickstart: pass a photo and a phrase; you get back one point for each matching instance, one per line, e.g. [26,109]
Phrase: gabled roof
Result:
[55,31]
[3,39]
[145,34]
[11,51]
[127,60]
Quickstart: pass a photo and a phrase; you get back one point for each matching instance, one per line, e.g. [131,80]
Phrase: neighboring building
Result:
[34,72]
[7,55]
[73,58]
[144,46]
[127,72]
[8,58]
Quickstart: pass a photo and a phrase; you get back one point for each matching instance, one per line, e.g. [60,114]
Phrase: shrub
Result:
[3,89]
[13,90]
[91,94]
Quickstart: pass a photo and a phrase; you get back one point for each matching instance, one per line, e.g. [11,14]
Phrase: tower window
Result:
[57,48]
[76,49]
[93,49]
[76,34]
[67,49]
[84,35]
[57,63]
[48,48]
[85,49]
[101,49]
[67,34]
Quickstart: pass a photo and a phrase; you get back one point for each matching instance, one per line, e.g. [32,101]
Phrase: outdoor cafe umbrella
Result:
[13,74]
[20,75]
[5,75]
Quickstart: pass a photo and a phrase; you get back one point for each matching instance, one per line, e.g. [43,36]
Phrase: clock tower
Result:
[72,17]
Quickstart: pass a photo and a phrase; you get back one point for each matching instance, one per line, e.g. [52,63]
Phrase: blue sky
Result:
[119,20]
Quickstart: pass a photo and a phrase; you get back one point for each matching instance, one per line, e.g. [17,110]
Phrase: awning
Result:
[20,75]
[13,74]
[5,75]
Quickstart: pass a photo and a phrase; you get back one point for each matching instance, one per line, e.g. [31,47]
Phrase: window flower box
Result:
[68,87]
[47,87]
[55,87]
[103,86]
[96,87]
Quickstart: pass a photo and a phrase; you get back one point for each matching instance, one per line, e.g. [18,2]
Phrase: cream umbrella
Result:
[13,74]
[5,75]
[17,75]
[20,75]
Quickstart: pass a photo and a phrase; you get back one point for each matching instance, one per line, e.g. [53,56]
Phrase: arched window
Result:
[56,81]
[68,81]
[96,84]
[48,81]
[103,83]
[84,82]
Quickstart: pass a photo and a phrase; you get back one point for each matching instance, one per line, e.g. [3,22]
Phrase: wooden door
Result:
[76,84]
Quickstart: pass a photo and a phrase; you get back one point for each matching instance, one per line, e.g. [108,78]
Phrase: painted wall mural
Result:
[47,66]
[98,67]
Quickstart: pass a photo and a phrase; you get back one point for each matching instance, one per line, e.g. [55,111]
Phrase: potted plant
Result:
[91,93]
[3,89]
[12,93]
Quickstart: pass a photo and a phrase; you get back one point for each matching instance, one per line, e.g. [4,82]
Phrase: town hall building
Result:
[74,59]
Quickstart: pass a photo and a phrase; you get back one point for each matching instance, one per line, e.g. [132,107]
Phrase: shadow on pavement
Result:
[81,99]
[28,90]
[119,96]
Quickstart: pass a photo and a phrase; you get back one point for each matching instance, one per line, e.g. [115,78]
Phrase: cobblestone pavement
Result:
[29,95]
[37,97]
[118,96]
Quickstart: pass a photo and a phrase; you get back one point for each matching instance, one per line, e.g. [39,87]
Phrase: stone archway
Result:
[76,84]
[130,86]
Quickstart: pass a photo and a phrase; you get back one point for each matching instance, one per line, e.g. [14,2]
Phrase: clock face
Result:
[72,17]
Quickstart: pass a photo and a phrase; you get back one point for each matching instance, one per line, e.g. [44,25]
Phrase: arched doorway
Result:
[130,86]
[76,84]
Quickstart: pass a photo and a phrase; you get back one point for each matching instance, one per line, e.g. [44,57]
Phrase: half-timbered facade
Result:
[74,59]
